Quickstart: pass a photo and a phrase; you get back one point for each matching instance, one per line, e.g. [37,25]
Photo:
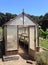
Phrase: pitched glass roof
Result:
[20,20]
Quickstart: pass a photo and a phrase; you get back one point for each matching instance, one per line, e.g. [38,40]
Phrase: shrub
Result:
[47,36]
[47,33]
[42,58]
[42,33]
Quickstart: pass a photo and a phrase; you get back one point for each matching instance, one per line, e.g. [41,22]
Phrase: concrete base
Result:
[13,52]
[11,57]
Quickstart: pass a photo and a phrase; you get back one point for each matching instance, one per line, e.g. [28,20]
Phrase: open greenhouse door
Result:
[23,37]
[32,41]
[11,46]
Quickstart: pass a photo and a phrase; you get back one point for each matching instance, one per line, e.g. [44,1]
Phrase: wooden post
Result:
[3,43]
[37,48]
[38,35]
[23,16]
[17,38]
[5,37]
[35,36]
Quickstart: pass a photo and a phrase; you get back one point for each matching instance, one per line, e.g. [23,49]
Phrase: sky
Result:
[32,7]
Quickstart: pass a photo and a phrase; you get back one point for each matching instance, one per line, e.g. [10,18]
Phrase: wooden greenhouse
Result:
[18,29]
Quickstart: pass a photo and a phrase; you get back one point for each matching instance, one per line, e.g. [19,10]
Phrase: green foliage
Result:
[47,36]
[46,33]
[44,22]
[6,17]
[42,58]
[0,30]
[41,20]
[43,34]
[45,16]
[43,42]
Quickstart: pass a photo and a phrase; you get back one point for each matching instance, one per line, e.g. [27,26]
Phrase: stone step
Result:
[11,57]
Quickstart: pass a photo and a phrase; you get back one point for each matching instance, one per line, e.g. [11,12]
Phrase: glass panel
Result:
[27,21]
[32,38]
[11,37]
[23,33]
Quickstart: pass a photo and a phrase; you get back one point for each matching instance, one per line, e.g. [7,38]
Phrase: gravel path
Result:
[20,61]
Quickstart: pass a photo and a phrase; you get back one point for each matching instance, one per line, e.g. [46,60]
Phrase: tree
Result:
[43,22]
[10,16]
[6,17]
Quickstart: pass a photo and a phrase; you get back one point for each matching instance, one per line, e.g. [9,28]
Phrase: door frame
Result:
[18,37]
[10,52]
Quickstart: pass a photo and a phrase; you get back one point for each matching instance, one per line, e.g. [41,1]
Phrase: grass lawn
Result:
[43,42]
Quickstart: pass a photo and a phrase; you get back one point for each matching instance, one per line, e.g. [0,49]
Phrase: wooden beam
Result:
[35,37]
[5,37]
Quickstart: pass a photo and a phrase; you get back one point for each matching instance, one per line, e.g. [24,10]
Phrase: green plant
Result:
[47,37]
[43,43]
[42,58]
[43,34]
[47,33]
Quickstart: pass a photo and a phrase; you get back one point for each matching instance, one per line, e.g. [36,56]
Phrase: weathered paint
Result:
[32,38]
